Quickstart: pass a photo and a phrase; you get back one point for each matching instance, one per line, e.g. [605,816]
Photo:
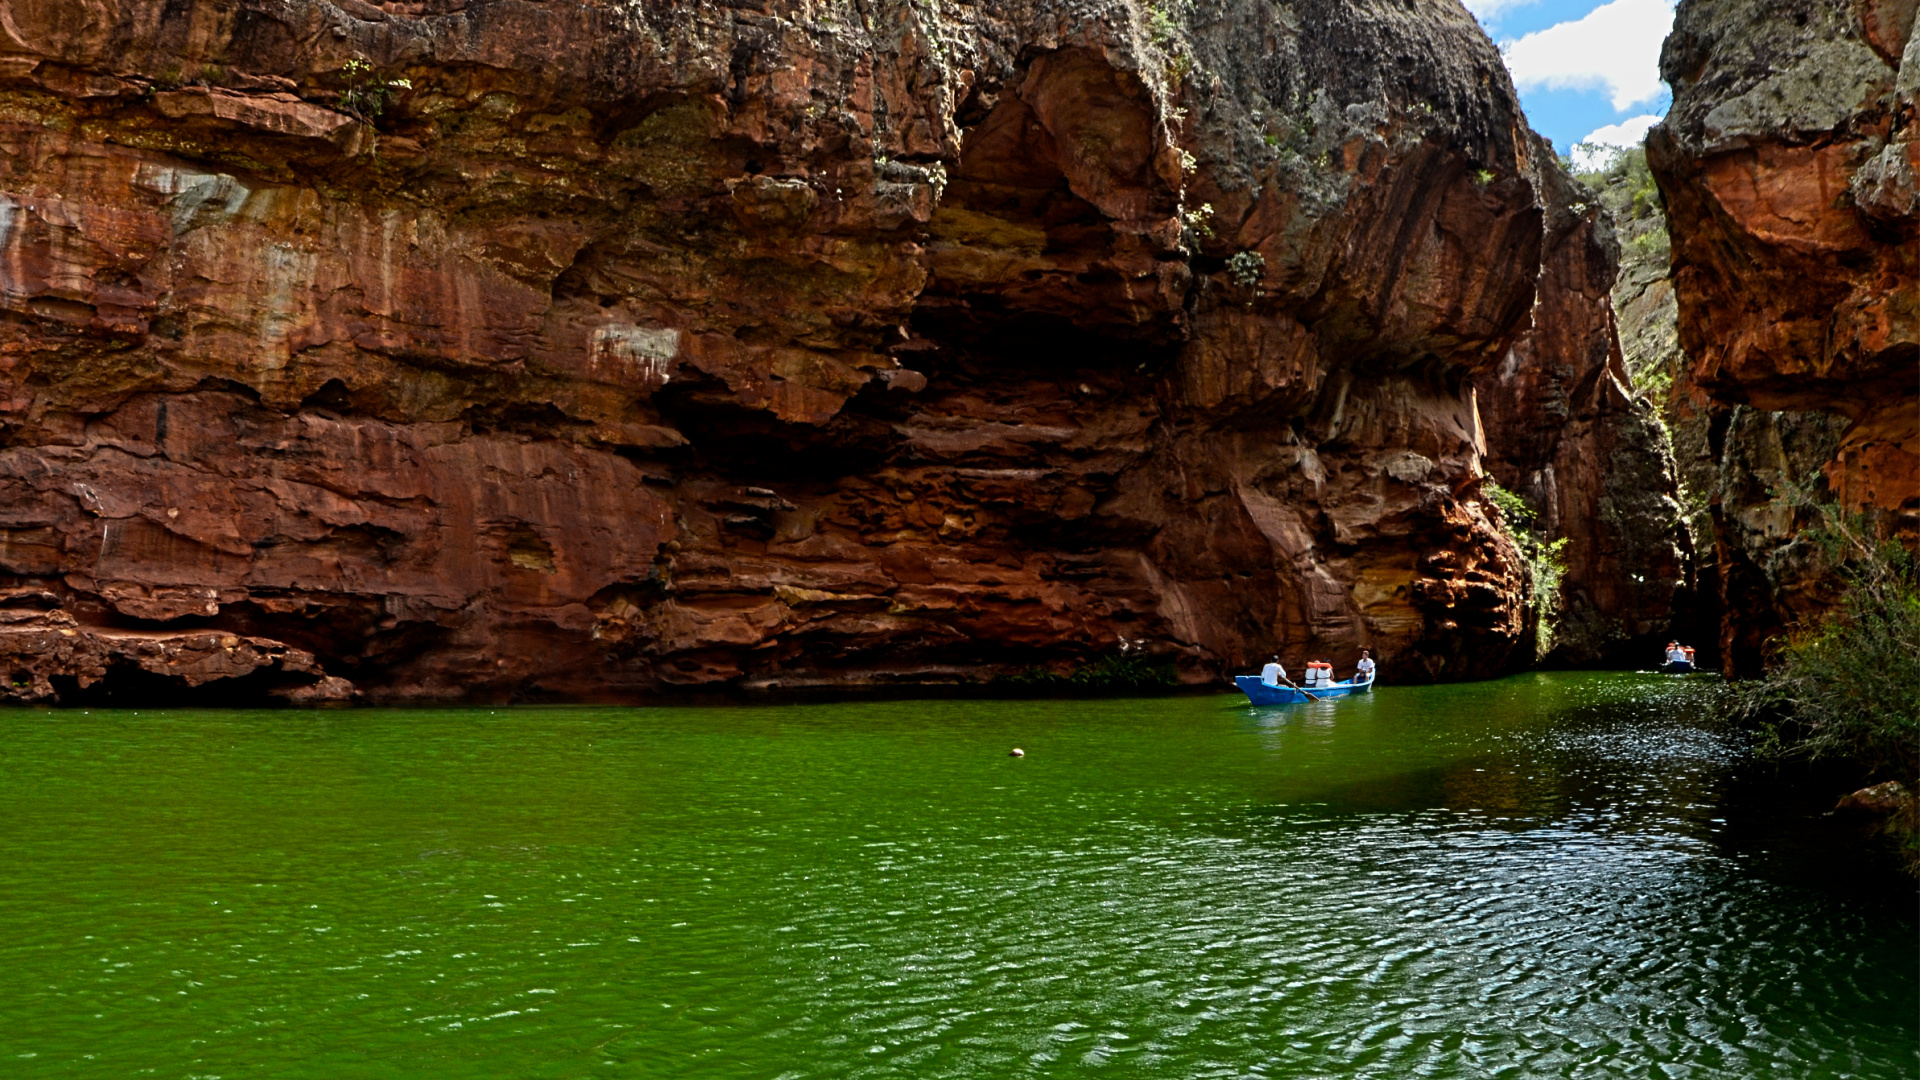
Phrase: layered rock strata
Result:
[510,349]
[1788,166]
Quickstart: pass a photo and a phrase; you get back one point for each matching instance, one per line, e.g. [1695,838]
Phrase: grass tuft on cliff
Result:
[1847,687]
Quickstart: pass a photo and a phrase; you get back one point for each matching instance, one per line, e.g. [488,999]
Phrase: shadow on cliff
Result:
[128,687]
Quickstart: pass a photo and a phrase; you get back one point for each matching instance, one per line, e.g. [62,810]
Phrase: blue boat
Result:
[1261,694]
[1677,667]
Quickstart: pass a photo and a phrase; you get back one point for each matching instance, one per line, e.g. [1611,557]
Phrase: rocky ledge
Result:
[518,349]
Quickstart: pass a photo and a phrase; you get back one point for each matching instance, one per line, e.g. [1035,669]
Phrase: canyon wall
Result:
[510,350]
[1567,432]
[1788,167]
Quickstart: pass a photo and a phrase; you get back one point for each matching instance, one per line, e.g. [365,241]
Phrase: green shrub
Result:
[1625,183]
[1119,671]
[1165,25]
[1199,220]
[1164,22]
[1653,382]
[368,93]
[1245,268]
[1846,686]
[1652,244]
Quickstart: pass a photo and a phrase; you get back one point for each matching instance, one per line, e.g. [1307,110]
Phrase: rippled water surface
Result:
[1555,875]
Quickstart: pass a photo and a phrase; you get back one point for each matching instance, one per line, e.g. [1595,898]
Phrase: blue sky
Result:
[1586,70]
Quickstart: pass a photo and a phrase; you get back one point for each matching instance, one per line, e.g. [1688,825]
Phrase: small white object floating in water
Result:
[1016,752]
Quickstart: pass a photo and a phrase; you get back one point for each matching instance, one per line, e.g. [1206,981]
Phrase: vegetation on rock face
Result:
[1245,267]
[368,93]
[1198,222]
[1626,188]
[1545,563]
[1165,21]
[1847,687]
[1127,669]
[1624,181]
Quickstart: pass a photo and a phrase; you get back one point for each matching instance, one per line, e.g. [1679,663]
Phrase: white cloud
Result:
[1489,10]
[1616,47]
[1605,141]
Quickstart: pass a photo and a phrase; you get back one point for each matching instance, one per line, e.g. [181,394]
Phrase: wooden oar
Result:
[1300,688]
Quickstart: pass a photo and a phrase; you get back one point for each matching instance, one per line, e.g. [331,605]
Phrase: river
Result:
[1567,875]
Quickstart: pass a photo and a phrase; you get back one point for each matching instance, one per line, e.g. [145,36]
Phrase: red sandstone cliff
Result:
[632,345]
[1788,165]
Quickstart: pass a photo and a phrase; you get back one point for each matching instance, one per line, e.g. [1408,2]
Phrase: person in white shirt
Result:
[1364,669]
[1273,672]
[1675,653]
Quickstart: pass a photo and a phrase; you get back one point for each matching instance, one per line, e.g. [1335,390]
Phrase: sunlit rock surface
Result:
[632,346]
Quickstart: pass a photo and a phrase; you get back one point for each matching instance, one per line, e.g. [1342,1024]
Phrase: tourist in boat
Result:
[1363,671]
[1679,657]
[1273,672]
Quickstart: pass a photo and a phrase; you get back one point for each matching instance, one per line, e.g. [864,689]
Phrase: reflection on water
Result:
[1567,875]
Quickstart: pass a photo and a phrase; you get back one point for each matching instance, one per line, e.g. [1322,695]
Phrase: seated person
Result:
[1363,671]
[1273,672]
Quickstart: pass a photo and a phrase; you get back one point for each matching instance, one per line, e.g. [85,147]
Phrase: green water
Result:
[1557,875]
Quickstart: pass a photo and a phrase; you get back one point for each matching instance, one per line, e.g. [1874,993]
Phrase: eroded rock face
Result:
[1566,431]
[1788,164]
[631,346]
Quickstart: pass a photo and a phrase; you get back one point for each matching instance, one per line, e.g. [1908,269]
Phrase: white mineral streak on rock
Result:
[288,279]
[1311,468]
[9,211]
[197,198]
[640,357]
[1479,433]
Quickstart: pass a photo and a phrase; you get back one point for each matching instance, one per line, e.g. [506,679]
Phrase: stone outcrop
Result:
[518,349]
[1787,164]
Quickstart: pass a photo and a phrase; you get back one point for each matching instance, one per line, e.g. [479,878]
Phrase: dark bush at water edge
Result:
[1847,687]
